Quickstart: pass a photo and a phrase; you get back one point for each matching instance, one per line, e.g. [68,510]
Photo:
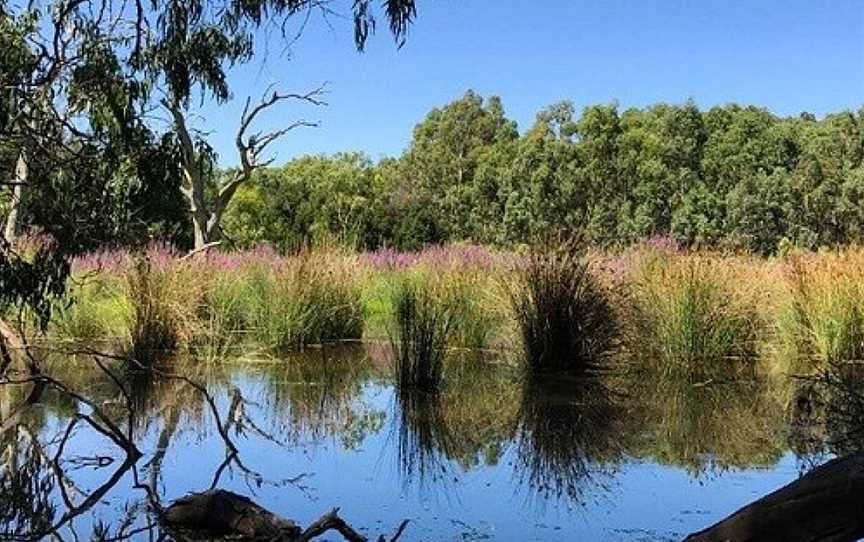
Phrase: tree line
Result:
[730,176]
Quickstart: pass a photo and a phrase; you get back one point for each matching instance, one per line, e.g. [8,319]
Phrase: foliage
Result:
[732,176]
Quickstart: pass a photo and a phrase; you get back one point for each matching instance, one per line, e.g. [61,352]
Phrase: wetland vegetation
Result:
[616,323]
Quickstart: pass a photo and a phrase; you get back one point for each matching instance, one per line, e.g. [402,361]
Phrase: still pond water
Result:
[495,457]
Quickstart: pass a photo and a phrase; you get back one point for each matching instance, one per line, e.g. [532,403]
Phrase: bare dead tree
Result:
[207,215]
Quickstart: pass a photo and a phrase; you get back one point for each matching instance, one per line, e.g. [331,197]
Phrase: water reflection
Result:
[555,439]
[468,424]
[827,411]
[705,427]
[318,394]
[569,436]
[26,486]
[423,438]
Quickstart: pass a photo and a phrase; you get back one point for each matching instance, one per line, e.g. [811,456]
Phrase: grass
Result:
[820,321]
[561,308]
[297,305]
[91,315]
[422,323]
[158,324]
[691,313]
[564,315]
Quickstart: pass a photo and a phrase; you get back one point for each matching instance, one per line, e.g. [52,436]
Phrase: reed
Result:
[821,319]
[420,331]
[159,322]
[690,313]
[563,313]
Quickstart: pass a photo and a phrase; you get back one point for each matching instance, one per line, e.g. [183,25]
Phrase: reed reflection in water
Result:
[568,438]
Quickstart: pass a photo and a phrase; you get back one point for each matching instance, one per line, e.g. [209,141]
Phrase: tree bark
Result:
[824,505]
[10,232]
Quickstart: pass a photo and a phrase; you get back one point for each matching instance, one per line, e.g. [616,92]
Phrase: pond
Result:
[495,456]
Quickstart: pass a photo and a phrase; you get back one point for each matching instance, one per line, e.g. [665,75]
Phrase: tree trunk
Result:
[11,231]
[824,505]
[226,513]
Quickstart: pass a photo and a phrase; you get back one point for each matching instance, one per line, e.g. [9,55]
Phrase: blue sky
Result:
[789,56]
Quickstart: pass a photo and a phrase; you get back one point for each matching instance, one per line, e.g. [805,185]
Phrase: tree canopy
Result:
[730,176]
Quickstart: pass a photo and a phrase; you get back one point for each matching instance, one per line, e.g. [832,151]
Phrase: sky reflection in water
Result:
[494,456]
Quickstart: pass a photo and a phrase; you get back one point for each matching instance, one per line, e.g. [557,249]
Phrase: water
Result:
[496,457]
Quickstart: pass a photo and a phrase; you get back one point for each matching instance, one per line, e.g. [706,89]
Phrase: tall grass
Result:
[691,312]
[308,300]
[421,328]
[221,316]
[821,318]
[160,322]
[681,312]
[563,313]
[479,316]
[95,312]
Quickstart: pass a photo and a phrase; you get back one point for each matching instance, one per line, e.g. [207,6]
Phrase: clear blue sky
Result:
[787,55]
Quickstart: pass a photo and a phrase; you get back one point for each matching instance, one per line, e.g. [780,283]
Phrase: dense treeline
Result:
[730,176]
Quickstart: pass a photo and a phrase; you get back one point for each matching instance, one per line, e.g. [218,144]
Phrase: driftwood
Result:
[826,505]
[225,513]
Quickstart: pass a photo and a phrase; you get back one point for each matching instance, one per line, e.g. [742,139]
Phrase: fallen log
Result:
[223,513]
[827,504]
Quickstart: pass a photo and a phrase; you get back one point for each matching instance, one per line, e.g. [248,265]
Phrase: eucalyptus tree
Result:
[80,82]
[441,164]
[194,44]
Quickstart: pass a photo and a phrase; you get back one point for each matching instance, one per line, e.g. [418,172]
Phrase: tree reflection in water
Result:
[563,436]
[26,486]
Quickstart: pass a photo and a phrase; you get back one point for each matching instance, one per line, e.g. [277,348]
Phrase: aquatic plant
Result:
[690,312]
[161,321]
[821,318]
[563,313]
[153,331]
[310,299]
[420,330]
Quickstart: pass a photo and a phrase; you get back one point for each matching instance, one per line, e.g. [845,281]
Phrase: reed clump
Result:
[821,319]
[308,300]
[563,313]
[421,328]
[160,322]
[690,313]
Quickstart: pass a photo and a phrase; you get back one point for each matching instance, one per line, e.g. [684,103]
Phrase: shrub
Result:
[563,313]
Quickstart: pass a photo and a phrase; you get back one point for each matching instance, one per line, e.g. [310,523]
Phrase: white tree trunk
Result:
[11,231]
